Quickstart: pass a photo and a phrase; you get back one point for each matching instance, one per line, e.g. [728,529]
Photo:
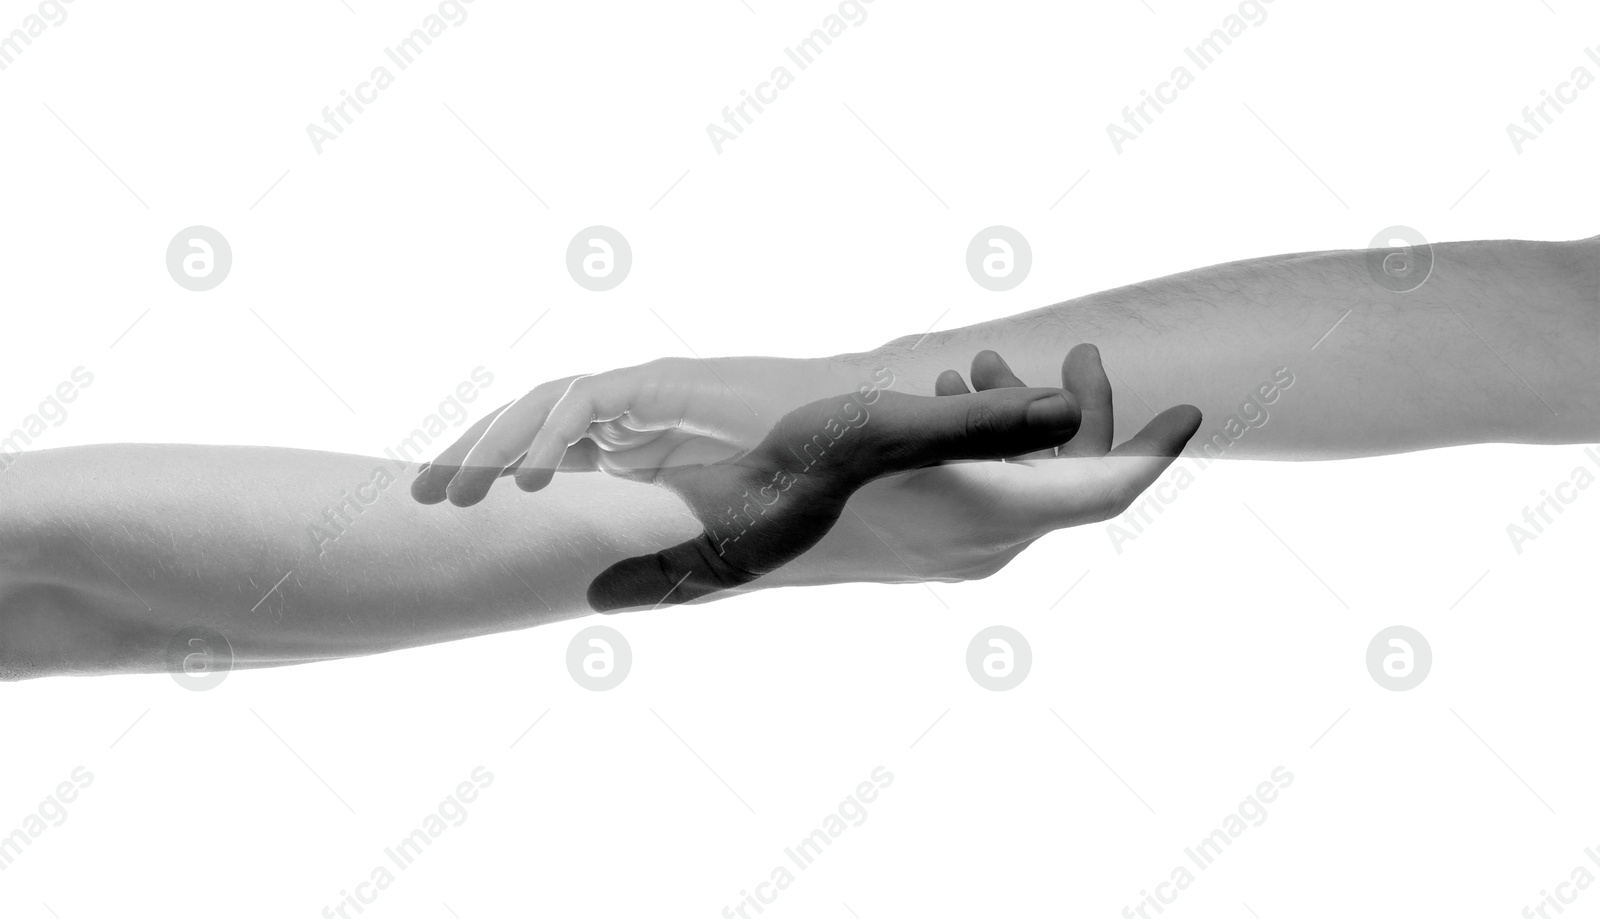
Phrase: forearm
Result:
[107,552]
[1502,343]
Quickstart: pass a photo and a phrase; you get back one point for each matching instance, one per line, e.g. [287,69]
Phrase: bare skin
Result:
[108,552]
[1499,343]
[110,556]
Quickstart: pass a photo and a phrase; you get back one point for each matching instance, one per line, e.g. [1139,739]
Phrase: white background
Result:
[1221,644]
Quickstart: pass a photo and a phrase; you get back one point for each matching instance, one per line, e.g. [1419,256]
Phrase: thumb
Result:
[688,571]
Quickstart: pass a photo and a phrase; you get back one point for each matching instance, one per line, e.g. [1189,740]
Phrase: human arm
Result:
[107,554]
[1301,356]
[1501,343]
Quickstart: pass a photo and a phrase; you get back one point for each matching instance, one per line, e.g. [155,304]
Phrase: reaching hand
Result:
[864,487]
[767,507]
[635,422]
[961,521]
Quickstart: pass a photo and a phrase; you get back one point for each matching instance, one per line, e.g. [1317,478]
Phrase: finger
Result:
[505,440]
[1165,435]
[1083,375]
[950,384]
[1081,490]
[429,485]
[688,571]
[990,371]
[583,456]
[1136,464]
[603,397]
[899,432]
[810,464]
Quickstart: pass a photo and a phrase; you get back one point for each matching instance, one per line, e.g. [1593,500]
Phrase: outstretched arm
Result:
[110,555]
[107,552]
[1318,355]
[1499,343]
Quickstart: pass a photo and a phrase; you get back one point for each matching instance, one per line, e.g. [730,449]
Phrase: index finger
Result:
[429,485]
[502,442]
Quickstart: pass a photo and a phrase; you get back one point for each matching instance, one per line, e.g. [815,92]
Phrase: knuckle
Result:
[982,420]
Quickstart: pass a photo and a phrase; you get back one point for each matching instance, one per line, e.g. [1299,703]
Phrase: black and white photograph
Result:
[744,459]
